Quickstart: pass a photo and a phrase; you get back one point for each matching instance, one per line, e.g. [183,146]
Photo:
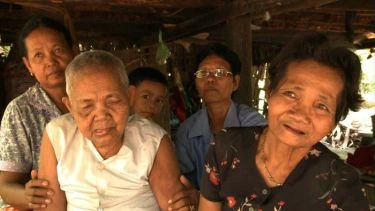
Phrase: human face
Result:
[148,98]
[213,89]
[99,107]
[302,108]
[48,54]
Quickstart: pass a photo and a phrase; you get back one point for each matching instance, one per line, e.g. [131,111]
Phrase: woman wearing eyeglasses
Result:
[217,77]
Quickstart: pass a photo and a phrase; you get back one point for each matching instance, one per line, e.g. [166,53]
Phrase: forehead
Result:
[43,35]
[153,87]
[95,75]
[214,61]
[315,75]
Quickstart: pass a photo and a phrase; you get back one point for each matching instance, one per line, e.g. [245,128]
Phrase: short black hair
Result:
[224,52]
[39,22]
[140,74]
[338,56]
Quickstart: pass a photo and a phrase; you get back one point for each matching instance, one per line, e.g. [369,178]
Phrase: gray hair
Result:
[95,58]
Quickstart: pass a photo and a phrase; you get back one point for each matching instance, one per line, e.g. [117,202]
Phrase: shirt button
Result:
[101,166]
[264,191]
[101,191]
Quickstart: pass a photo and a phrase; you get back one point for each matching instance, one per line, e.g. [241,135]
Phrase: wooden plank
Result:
[351,5]
[236,9]
[240,38]
[128,3]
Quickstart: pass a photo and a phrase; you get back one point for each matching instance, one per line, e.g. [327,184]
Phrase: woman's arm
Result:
[205,204]
[165,174]
[48,171]
[12,189]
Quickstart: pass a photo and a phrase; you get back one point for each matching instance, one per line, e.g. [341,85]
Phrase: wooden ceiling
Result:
[125,23]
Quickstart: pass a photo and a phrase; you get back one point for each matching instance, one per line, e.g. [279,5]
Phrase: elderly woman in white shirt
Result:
[96,158]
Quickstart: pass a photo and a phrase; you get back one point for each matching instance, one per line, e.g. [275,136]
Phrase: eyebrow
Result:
[325,96]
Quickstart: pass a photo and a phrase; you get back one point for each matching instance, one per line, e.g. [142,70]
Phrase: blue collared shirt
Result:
[194,136]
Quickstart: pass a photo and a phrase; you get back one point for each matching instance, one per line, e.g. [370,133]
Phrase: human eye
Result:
[159,101]
[85,108]
[201,73]
[38,55]
[59,50]
[146,96]
[323,107]
[219,72]
[113,100]
[290,94]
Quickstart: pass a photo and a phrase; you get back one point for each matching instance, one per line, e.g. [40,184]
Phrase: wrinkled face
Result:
[302,108]
[148,98]
[214,89]
[48,54]
[99,105]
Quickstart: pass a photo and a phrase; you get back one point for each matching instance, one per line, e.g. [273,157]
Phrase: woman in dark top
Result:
[313,84]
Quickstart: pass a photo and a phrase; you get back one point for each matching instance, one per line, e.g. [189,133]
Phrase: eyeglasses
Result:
[218,73]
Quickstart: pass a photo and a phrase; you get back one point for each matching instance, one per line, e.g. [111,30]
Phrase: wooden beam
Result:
[233,10]
[350,5]
[128,3]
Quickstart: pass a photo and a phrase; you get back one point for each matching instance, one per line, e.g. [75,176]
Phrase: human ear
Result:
[236,82]
[67,103]
[27,64]
[131,94]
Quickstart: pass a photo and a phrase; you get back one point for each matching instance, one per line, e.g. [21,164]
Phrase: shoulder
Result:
[249,116]
[18,110]
[330,164]
[147,129]
[136,121]
[194,118]
[20,101]
[191,122]
[61,126]
[63,120]
[27,103]
[236,137]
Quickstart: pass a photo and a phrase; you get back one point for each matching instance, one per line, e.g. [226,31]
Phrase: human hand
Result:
[186,199]
[37,193]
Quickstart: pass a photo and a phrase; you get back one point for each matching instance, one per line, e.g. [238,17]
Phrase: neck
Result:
[108,149]
[56,95]
[276,160]
[216,115]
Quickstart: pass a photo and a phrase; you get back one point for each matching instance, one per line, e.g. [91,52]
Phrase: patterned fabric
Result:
[22,128]
[194,136]
[321,181]
[117,183]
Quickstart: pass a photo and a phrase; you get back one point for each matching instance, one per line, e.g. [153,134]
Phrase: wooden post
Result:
[240,40]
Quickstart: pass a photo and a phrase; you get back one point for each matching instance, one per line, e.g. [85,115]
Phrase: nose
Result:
[51,59]
[152,106]
[210,78]
[300,112]
[101,111]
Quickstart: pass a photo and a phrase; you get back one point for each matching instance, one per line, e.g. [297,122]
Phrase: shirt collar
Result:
[200,125]
[39,98]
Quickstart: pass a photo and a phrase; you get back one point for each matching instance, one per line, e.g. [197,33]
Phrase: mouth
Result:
[147,114]
[101,132]
[55,73]
[295,130]
[211,89]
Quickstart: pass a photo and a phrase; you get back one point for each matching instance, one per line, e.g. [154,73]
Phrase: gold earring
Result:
[31,74]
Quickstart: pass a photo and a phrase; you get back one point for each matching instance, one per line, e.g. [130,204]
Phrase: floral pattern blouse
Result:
[22,128]
[321,181]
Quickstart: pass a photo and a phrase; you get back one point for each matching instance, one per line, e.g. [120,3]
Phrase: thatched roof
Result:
[137,22]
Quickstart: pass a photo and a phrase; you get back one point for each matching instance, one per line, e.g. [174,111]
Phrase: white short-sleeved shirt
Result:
[117,183]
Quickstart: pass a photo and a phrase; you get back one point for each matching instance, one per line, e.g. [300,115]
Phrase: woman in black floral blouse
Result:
[313,84]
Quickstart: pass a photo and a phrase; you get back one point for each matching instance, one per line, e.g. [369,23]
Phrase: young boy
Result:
[148,88]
